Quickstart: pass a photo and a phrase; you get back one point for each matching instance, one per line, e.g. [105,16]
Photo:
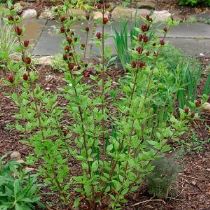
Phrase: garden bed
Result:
[125,132]
[193,184]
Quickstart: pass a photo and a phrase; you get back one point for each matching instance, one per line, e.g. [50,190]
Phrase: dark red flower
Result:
[18,30]
[71,66]
[62,19]
[10,78]
[140,37]
[145,39]
[133,64]
[25,76]
[149,18]
[62,29]
[145,27]
[26,43]
[65,57]
[139,50]
[198,103]
[87,72]
[27,60]
[186,110]
[105,20]
[140,64]
[69,39]
[99,6]
[67,48]
[98,35]
[162,42]
[10,18]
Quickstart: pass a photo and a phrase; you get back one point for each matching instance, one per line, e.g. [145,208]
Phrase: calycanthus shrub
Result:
[113,133]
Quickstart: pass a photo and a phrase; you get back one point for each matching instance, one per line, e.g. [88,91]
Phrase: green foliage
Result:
[58,64]
[18,188]
[187,73]
[121,45]
[206,89]
[163,177]
[194,2]
[8,42]
[111,133]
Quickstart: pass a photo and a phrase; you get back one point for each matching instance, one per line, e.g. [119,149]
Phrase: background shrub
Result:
[194,2]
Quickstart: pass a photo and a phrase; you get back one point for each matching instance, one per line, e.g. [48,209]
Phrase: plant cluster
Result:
[194,2]
[18,188]
[114,132]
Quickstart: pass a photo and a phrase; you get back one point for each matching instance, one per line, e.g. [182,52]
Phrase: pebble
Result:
[29,13]
[15,155]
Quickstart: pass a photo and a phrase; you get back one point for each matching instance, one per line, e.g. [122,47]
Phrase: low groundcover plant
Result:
[113,133]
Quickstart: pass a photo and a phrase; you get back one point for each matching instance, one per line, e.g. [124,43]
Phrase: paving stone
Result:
[33,29]
[190,30]
[192,47]
[193,39]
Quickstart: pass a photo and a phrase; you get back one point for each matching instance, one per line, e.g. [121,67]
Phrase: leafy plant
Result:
[122,45]
[194,2]
[113,133]
[163,177]
[18,188]
[8,42]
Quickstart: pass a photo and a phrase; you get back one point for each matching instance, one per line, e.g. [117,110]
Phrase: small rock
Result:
[161,16]
[15,155]
[98,15]
[45,60]
[47,14]
[20,161]
[194,183]
[29,13]
[206,107]
[28,169]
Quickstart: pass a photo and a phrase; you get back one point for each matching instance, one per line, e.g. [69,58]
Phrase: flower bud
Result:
[10,78]
[25,76]
[18,30]
[98,35]
[27,60]
[162,42]
[62,30]
[198,103]
[145,28]
[71,66]
[62,19]
[26,43]
[105,20]
[139,50]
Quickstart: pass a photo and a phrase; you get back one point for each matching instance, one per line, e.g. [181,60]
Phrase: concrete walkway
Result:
[192,38]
